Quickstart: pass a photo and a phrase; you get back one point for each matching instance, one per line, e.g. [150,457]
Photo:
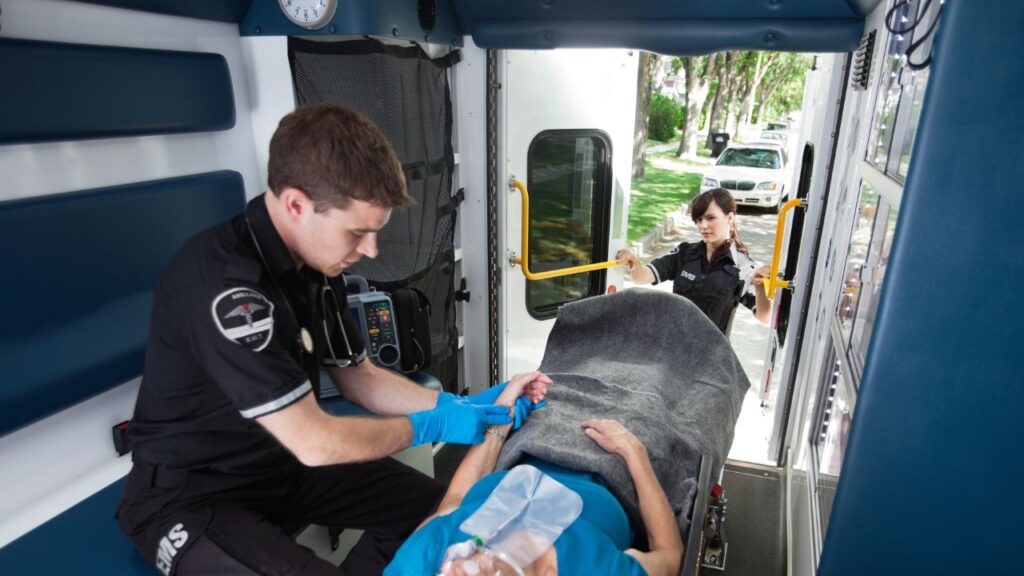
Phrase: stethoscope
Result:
[305,339]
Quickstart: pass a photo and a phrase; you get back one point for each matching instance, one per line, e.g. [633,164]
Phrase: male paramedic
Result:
[229,441]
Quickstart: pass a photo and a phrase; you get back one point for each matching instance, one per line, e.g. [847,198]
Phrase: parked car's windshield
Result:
[750,158]
[776,126]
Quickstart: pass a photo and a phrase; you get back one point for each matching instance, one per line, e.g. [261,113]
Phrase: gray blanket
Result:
[653,361]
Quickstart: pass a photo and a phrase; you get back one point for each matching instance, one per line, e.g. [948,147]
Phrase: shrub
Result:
[664,118]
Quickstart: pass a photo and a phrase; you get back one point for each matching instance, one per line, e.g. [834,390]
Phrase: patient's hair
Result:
[334,154]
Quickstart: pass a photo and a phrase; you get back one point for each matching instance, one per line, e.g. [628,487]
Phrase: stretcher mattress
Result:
[653,361]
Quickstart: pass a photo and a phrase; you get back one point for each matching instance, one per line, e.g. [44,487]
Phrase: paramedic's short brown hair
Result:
[334,154]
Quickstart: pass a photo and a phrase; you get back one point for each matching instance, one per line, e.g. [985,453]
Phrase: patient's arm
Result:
[480,459]
[666,553]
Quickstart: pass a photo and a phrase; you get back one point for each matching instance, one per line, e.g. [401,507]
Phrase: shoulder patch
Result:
[245,317]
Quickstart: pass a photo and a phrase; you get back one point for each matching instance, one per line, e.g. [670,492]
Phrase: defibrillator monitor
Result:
[374,314]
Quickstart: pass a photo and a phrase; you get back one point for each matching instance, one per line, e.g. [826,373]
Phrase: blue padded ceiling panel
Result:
[219,10]
[933,465]
[667,26]
[57,91]
[77,272]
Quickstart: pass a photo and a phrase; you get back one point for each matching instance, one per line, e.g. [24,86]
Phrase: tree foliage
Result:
[729,91]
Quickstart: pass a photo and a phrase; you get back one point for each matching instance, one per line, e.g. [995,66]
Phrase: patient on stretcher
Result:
[643,386]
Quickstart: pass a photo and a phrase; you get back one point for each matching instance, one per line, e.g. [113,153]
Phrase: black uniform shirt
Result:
[224,347]
[716,287]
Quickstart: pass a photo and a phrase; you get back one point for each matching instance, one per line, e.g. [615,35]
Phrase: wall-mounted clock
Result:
[310,14]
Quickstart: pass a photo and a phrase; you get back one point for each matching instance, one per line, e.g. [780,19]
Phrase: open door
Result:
[566,121]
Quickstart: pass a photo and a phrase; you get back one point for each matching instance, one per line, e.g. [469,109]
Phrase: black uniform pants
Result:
[189,523]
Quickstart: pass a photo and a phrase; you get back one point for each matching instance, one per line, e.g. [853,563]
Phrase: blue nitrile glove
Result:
[455,420]
[523,406]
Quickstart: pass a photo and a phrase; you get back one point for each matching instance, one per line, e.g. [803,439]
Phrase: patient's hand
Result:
[533,385]
[613,437]
[524,393]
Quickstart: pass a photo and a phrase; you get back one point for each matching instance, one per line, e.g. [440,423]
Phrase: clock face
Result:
[310,14]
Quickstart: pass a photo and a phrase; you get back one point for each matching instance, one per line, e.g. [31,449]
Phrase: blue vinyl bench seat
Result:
[84,539]
[89,539]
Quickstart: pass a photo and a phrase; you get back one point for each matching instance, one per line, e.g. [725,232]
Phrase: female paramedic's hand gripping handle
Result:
[666,555]
[532,387]
[763,308]
[638,273]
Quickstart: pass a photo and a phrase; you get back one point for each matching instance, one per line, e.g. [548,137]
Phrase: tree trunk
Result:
[757,88]
[762,103]
[731,105]
[769,92]
[747,105]
[716,118]
[698,84]
[643,107]
[688,142]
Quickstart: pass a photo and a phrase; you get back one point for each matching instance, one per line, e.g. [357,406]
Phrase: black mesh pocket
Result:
[407,95]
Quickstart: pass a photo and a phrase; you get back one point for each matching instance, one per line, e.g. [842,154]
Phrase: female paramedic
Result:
[538,517]
[715,273]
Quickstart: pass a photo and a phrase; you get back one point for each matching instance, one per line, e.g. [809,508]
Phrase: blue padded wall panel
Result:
[933,464]
[54,91]
[77,272]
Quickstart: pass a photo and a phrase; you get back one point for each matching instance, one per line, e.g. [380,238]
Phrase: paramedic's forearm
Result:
[320,439]
[641,274]
[660,522]
[382,391]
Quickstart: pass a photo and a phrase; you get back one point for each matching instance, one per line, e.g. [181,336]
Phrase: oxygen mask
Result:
[520,520]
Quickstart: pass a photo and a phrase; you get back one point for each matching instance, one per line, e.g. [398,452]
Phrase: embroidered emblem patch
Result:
[245,317]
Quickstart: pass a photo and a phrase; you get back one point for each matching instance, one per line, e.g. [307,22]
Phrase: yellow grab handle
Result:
[771,283]
[524,259]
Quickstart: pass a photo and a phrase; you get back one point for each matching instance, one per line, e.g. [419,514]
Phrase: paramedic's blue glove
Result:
[455,420]
[523,406]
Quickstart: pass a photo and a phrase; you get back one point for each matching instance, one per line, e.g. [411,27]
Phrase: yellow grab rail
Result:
[524,259]
[771,283]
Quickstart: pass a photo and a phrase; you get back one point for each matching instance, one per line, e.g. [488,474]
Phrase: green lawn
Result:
[660,192]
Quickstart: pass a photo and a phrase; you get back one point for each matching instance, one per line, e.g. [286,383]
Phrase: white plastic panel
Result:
[557,90]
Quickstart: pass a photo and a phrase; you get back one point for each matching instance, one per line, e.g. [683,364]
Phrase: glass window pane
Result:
[919,81]
[832,434]
[569,190]
[889,90]
[874,276]
[857,260]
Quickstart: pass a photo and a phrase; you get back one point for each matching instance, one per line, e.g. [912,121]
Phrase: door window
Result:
[569,181]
